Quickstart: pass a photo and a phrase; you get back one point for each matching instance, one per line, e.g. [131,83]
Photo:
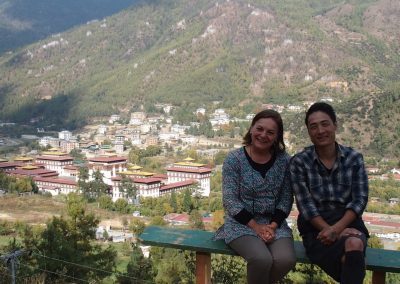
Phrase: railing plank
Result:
[379,261]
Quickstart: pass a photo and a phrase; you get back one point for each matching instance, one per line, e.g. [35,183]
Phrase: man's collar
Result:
[339,151]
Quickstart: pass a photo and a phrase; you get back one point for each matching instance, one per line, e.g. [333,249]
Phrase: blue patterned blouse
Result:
[245,188]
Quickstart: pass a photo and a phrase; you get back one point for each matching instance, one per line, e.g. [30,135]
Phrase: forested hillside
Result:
[24,21]
[191,53]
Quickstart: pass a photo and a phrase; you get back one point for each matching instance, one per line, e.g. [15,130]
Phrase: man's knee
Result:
[353,243]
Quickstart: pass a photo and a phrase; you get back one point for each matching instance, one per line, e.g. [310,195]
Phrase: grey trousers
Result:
[266,263]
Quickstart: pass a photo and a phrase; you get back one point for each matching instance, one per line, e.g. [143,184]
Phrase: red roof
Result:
[189,170]
[8,165]
[107,159]
[55,158]
[35,172]
[71,167]
[139,180]
[56,180]
[177,184]
[161,176]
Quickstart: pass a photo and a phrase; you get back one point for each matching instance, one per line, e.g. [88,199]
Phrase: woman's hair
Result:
[323,107]
[279,145]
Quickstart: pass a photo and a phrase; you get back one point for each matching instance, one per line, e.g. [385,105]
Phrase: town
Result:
[109,150]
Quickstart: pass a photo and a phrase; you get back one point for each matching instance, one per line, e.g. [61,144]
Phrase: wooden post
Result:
[203,268]
[378,277]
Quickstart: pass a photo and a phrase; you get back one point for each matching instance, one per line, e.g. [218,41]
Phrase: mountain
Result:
[24,21]
[192,53]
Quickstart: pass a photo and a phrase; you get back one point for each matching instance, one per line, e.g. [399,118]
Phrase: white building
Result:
[56,185]
[135,137]
[188,170]
[55,162]
[146,187]
[114,118]
[65,135]
[108,167]
[189,139]
[49,141]
[180,129]
[164,137]
[137,118]
[102,129]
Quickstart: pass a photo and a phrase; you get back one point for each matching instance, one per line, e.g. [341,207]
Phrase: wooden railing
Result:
[379,261]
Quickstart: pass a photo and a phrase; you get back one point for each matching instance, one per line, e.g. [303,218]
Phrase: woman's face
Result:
[264,133]
[321,129]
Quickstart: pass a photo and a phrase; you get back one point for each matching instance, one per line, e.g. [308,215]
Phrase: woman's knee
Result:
[287,261]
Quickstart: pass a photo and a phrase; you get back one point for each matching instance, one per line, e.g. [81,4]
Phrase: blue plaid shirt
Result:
[318,189]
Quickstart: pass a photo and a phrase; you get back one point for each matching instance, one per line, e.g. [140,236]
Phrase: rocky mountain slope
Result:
[193,53]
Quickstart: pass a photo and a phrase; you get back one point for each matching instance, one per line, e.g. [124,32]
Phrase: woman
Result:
[257,199]
[331,189]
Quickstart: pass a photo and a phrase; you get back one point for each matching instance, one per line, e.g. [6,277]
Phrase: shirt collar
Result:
[339,151]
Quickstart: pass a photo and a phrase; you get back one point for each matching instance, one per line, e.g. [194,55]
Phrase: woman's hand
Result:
[265,231]
[269,234]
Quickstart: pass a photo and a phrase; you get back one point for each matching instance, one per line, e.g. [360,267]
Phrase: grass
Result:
[38,209]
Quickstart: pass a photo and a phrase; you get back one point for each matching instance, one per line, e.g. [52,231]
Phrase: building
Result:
[146,187]
[102,129]
[65,135]
[55,161]
[71,171]
[56,186]
[114,118]
[24,160]
[176,186]
[137,118]
[32,171]
[108,167]
[68,145]
[188,170]
[8,166]
[135,137]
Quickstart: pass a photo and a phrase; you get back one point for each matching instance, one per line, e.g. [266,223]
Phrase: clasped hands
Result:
[329,235]
[265,231]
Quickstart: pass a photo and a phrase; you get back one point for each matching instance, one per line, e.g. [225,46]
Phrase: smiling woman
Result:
[257,199]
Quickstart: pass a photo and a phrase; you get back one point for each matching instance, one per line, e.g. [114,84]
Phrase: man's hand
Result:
[327,235]
[350,232]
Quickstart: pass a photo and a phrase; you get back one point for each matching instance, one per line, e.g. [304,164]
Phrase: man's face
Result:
[321,129]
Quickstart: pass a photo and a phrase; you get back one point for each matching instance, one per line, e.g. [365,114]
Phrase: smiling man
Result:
[331,189]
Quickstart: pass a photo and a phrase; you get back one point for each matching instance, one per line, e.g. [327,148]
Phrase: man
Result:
[331,190]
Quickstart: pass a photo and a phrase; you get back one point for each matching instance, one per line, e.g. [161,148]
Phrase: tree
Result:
[128,188]
[228,269]
[134,155]
[137,226]
[121,205]
[173,201]
[138,267]
[158,221]
[97,187]
[66,247]
[374,242]
[187,200]
[220,157]
[218,219]
[83,177]
[196,220]
[105,202]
